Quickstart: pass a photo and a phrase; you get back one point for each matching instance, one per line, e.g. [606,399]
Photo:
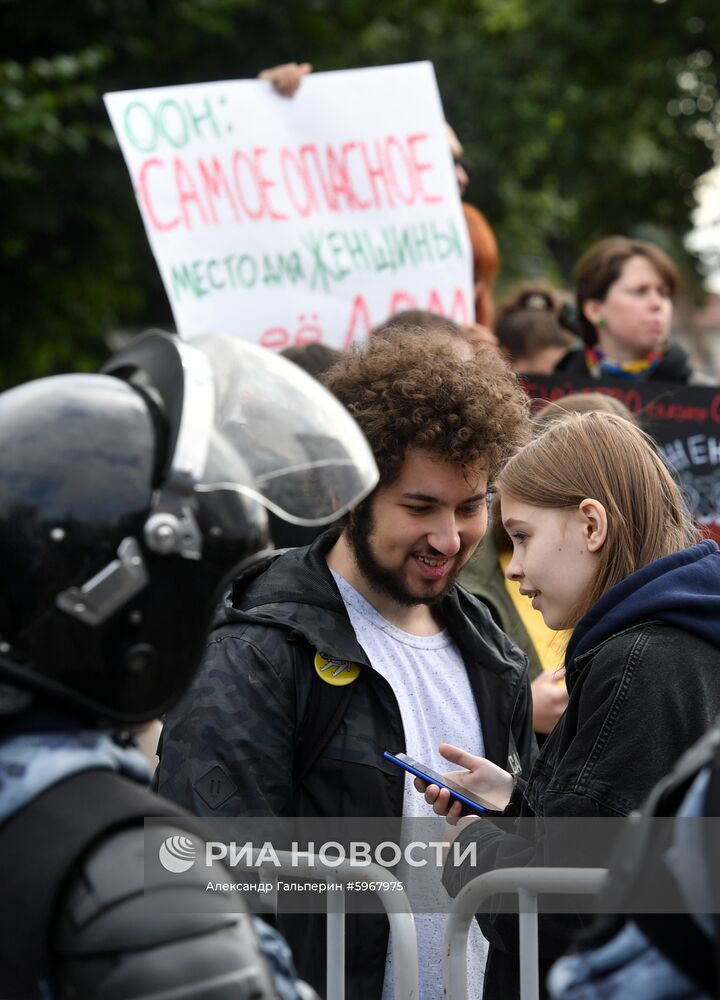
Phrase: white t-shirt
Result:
[429,680]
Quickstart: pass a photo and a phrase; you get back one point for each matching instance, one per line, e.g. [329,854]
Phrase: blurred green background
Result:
[581,118]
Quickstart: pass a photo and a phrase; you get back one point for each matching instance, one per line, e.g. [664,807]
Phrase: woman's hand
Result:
[549,700]
[481,777]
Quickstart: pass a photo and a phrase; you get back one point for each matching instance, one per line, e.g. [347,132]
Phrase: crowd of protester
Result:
[516,595]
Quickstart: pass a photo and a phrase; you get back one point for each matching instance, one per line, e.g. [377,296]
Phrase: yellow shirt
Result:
[549,644]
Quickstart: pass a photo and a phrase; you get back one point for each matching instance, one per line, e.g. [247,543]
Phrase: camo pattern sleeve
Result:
[227,746]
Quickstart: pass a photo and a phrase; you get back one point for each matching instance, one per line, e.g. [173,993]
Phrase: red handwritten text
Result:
[257,184]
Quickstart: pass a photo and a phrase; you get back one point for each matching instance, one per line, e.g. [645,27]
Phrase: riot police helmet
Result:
[128,499]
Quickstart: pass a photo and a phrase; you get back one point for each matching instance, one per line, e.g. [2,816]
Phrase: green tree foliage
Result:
[595,118]
[581,118]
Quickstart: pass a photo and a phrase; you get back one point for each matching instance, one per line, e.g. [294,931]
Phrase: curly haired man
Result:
[380,601]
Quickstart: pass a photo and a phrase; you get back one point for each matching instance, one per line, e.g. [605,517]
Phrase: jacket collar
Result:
[674,365]
[297,593]
[295,590]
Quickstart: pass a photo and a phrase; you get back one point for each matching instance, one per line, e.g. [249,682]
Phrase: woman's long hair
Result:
[604,457]
[486,263]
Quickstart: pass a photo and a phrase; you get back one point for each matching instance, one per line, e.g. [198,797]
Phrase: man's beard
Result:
[358,531]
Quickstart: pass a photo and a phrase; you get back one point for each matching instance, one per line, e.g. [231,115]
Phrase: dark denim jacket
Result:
[638,700]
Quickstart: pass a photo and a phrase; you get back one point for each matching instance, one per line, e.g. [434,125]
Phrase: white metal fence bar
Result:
[335,948]
[528,883]
[402,923]
[528,942]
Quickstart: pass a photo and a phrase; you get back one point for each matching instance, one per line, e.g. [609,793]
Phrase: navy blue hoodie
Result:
[682,589]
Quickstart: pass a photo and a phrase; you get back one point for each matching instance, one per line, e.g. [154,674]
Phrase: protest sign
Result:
[290,221]
[684,421]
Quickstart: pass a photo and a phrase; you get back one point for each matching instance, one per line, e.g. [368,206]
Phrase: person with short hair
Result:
[462,339]
[419,320]
[625,289]
[581,402]
[315,359]
[380,600]
[429,325]
[529,332]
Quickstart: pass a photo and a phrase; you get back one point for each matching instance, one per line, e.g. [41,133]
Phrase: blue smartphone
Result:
[469,799]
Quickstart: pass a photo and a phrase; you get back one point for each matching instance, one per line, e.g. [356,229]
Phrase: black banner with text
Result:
[684,421]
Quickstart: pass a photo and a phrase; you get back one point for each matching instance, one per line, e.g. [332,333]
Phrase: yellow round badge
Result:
[336,672]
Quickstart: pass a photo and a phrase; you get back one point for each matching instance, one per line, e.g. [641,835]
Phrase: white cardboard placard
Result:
[292,220]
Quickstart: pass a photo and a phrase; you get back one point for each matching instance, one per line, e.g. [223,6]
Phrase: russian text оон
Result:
[250,185]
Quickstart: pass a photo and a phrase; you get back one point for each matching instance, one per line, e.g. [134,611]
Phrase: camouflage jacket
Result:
[228,745]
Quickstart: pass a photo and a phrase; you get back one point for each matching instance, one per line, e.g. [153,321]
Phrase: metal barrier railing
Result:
[402,923]
[528,883]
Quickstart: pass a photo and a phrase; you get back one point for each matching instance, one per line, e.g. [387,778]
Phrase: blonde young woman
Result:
[602,545]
